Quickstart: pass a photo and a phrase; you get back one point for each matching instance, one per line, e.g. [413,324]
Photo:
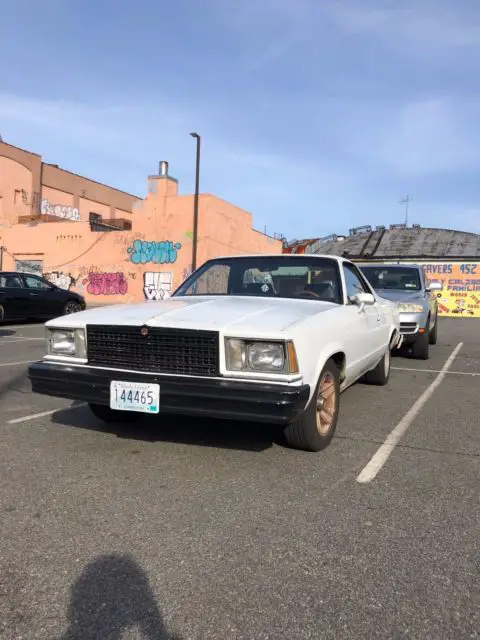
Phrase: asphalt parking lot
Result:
[189,530]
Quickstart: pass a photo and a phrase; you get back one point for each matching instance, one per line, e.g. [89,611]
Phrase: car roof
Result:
[387,264]
[277,256]
[19,273]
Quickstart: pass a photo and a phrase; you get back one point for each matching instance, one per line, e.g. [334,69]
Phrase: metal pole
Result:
[195,202]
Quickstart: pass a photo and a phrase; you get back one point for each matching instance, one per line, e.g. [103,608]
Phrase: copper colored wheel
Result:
[326,403]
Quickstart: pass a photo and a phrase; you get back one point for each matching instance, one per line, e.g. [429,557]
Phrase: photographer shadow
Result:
[110,597]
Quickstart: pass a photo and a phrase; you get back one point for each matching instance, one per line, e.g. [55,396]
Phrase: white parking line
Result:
[43,414]
[450,373]
[382,454]
[14,364]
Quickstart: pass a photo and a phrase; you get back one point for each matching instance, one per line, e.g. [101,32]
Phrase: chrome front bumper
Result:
[410,323]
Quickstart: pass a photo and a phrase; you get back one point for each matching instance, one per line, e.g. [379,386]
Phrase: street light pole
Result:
[195,202]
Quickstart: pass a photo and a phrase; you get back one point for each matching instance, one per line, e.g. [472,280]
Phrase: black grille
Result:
[179,351]
[408,327]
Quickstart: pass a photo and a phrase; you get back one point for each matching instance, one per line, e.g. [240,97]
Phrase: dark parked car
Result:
[25,296]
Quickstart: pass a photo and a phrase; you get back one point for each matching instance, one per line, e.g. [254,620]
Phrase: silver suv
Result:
[406,285]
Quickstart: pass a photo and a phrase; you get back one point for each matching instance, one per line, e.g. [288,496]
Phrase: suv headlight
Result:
[410,307]
[66,342]
[260,356]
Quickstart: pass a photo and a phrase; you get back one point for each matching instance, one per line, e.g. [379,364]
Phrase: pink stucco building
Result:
[110,245]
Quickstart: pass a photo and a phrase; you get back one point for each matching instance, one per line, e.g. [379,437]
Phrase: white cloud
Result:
[429,136]
[273,29]
[407,24]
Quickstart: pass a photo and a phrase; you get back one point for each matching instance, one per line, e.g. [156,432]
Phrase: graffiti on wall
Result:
[157,285]
[61,280]
[164,252]
[59,210]
[124,238]
[187,272]
[106,284]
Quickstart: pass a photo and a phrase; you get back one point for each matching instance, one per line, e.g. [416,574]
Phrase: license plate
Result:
[134,396]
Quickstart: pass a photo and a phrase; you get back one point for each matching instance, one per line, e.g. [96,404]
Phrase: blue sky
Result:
[315,115]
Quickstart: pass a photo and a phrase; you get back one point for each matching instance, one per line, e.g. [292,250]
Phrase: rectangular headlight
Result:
[260,356]
[66,342]
[409,307]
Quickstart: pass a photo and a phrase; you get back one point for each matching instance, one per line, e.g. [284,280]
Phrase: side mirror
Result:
[434,286]
[363,298]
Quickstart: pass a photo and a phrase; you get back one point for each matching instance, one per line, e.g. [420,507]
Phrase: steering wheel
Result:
[308,294]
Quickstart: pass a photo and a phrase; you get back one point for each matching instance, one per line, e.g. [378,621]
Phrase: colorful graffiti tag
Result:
[157,285]
[164,252]
[106,284]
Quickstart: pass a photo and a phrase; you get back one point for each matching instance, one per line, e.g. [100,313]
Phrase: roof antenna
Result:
[405,201]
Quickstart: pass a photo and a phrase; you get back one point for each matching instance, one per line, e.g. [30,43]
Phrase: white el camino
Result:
[260,338]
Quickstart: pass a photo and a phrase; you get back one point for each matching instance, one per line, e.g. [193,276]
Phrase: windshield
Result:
[399,278]
[273,277]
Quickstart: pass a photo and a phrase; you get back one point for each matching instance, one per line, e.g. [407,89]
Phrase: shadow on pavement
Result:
[111,596]
[4,333]
[179,429]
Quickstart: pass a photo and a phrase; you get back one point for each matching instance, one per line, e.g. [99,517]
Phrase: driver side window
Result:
[35,283]
[353,283]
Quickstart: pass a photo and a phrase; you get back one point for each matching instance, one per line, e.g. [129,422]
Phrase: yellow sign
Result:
[460,296]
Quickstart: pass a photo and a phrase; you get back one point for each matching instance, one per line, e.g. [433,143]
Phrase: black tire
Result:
[2,314]
[307,432]
[434,332]
[104,413]
[381,374]
[72,306]
[420,348]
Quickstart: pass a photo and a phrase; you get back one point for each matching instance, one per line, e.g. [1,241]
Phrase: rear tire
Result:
[72,306]
[314,428]
[434,332]
[2,314]
[104,413]
[420,348]
[381,374]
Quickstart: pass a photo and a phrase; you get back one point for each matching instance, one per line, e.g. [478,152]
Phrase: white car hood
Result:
[238,313]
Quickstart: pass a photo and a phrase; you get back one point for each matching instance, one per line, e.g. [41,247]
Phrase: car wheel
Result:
[104,413]
[434,332]
[72,306]
[2,314]
[381,374]
[420,348]
[314,428]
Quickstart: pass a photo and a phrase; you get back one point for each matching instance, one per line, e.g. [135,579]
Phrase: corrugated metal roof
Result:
[401,243]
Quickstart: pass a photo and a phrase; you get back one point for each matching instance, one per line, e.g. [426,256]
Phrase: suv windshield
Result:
[272,276]
[399,278]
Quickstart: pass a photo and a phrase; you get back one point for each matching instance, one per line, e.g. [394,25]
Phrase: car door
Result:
[366,322]
[13,297]
[46,301]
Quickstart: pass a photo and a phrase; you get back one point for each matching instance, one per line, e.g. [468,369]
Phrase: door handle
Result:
[34,294]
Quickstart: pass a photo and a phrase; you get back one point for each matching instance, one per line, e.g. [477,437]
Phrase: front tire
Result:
[314,428]
[420,348]
[105,414]
[381,374]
